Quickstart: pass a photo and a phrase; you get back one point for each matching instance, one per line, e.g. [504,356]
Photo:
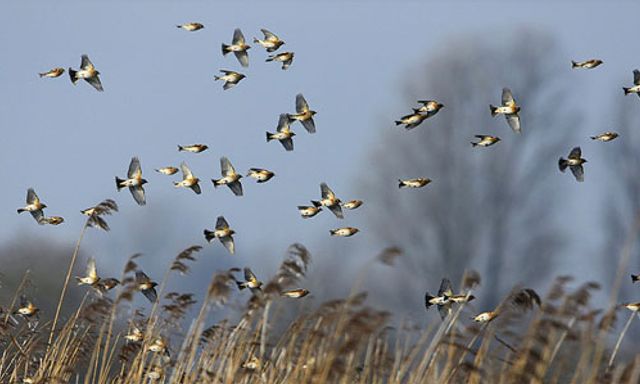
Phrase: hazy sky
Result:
[353,63]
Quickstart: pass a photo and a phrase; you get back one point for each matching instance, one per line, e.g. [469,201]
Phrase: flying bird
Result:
[635,278]
[574,161]
[230,177]
[134,181]
[441,299]
[304,114]
[135,335]
[261,175]
[485,317]
[53,220]
[352,204]
[344,232]
[413,183]
[167,170]
[188,180]
[191,27]
[284,134]
[34,206]
[329,200]
[485,141]
[587,64]
[286,58]
[271,42]
[239,48]
[309,211]
[430,107]
[87,72]
[412,120]
[509,109]
[53,73]
[222,232]
[146,286]
[634,307]
[295,293]
[251,282]
[105,285]
[636,84]
[91,277]
[230,78]
[604,137]
[193,148]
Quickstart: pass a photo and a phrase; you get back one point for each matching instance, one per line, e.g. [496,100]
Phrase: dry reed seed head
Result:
[470,280]
[357,299]
[220,287]
[97,310]
[389,255]
[187,254]
[608,320]
[590,316]
[106,207]
[525,299]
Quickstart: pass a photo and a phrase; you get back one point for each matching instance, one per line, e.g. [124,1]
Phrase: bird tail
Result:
[270,58]
[42,74]
[79,280]
[398,122]
[427,299]
[332,232]
[72,75]
[626,90]
[474,144]
[269,137]
[255,40]
[573,64]
[400,183]
[493,110]
[216,78]
[562,164]
[20,210]
[179,26]
[593,137]
[180,148]
[118,182]
[225,49]
[635,278]
[209,235]
[216,182]
[316,204]
[241,285]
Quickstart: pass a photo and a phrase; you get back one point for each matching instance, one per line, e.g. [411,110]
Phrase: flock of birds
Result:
[223,232]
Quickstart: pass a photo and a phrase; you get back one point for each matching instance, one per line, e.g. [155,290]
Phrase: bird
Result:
[188,180]
[286,58]
[105,285]
[260,175]
[352,204]
[304,114]
[252,364]
[284,134]
[27,309]
[230,78]
[485,317]
[134,181]
[88,72]
[441,299]
[239,48]
[135,335]
[53,220]
[574,161]
[509,109]
[34,206]
[431,107]
[413,183]
[271,42]
[308,211]
[636,84]
[635,278]
[587,64]
[167,170]
[145,285]
[412,120]
[52,73]
[295,293]
[159,345]
[329,200]
[193,148]
[222,232]
[251,282]
[485,141]
[634,307]
[344,232]
[606,136]
[230,177]
[91,278]
[191,27]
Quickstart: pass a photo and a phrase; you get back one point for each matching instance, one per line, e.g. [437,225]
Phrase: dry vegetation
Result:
[557,337]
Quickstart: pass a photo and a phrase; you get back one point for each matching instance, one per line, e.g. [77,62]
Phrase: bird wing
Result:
[228,243]
[236,188]
[150,294]
[238,37]
[326,192]
[142,277]
[283,123]
[85,63]
[507,97]
[138,194]
[221,223]
[576,153]
[32,197]
[24,301]
[91,268]
[243,57]
[249,276]
[186,172]
[444,310]
[309,125]
[578,172]
[636,77]
[337,210]
[135,170]
[513,119]
[287,144]
[445,288]
[269,35]
[196,188]
[95,82]
[301,104]
[38,215]
[226,167]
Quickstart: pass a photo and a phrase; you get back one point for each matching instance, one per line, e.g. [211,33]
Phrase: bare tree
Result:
[487,208]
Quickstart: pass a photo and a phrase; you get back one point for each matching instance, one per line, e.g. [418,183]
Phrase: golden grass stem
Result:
[619,341]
